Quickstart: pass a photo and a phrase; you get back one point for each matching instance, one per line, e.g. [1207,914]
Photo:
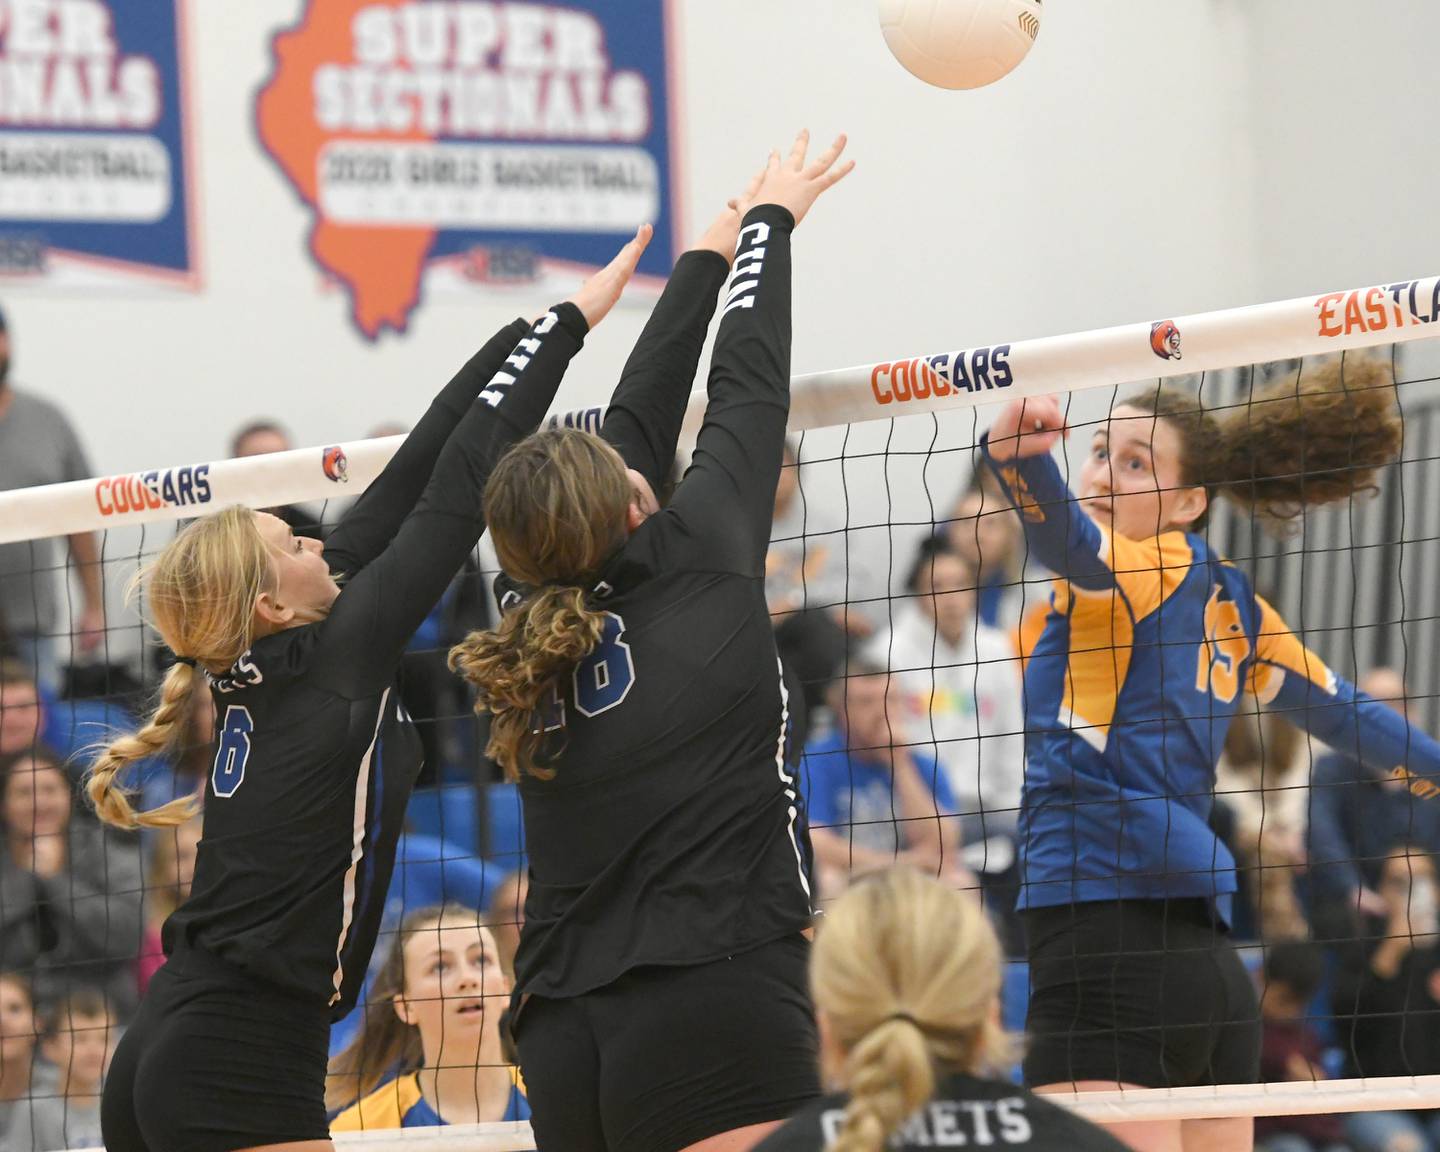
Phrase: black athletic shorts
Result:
[1145,992]
[665,1057]
[216,1061]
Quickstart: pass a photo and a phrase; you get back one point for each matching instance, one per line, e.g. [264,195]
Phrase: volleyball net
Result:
[893,559]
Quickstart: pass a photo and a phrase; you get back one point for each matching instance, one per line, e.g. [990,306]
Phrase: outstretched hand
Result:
[724,232]
[598,294]
[1029,427]
[795,185]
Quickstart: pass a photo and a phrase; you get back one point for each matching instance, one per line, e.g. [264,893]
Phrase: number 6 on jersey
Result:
[229,771]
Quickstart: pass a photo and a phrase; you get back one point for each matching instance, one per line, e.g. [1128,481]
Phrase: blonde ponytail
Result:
[112,801]
[555,507]
[516,665]
[907,974]
[888,1074]
[200,593]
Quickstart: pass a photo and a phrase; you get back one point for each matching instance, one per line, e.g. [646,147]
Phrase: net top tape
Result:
[1206,341]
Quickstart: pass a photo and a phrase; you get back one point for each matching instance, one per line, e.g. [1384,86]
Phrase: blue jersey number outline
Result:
[604,678]
[233,751]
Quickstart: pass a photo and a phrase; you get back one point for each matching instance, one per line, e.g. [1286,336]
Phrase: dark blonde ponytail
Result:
[555,507]
[516,666]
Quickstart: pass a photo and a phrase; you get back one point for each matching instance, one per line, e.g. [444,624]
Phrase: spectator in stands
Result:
[79,1037]
[1390,982]
[69,894]
[17,1050]
[1261,782]
[1290,1048]
[264,437]
[958,683]
[807,603]
[38,446]
[984,531]
[445,992]
[873,800]
[505,916]
[22,716]
[167,886]
[1356,817]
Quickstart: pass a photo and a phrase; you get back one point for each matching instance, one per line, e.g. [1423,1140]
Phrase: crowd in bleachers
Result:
[907,731]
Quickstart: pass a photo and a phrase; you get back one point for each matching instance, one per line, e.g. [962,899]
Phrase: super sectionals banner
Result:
[95,159]
[450,145]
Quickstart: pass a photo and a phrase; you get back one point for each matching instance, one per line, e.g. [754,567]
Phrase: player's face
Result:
[642,495]
[19,717]
[17,1025]
[1130,481]
[948,597]
[303,584]
[455,988]
[37,800]
[82,1048]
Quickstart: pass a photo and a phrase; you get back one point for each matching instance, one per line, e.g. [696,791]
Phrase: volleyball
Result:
[960,43]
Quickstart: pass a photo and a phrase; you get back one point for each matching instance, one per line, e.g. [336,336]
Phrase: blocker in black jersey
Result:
[315,760]
[316,757]
[660,990]
[965,1112]
[668,834]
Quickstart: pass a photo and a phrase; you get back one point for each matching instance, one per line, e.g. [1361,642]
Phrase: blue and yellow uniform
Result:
[1126,892]
[1129,692]
[399,1104]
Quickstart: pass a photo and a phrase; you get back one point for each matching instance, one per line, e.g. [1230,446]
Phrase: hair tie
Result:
[909,1019]
[188,661]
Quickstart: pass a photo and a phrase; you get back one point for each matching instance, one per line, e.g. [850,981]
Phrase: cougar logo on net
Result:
[1165,340]
[336,464]
[970,370]
[147,491]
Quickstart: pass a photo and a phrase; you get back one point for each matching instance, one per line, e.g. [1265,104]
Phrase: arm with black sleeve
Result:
[728,494]
[381,606]
[647,409]
[372,523]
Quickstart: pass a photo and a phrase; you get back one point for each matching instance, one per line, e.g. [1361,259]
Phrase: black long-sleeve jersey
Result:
[668,834]
[315,756]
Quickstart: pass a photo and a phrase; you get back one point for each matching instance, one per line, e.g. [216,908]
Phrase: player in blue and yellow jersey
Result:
[1150,643]
[433,1021]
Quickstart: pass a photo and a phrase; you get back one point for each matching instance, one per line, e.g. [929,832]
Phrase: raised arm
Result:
[380,608]
[728,494]
[648,407]
[1059,534]
[1294,681]
[372,523]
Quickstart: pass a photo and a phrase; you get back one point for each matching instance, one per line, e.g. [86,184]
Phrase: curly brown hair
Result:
[555,507]
[1299,442]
